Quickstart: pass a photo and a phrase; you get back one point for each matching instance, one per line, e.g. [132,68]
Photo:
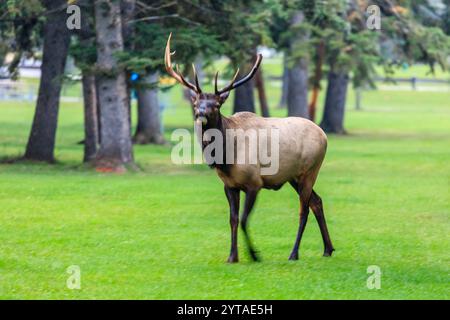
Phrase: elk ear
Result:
[223,96]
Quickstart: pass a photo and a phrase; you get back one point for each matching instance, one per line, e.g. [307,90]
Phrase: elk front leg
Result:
[304,191]
[233,200]
[250,199]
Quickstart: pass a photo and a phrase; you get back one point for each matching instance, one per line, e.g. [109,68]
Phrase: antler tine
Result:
[215,82]
[234,85]
[229,85]
[168,64]
[184,81]
[199,90]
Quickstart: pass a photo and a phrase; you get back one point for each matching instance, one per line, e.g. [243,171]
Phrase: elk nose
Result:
[201,120]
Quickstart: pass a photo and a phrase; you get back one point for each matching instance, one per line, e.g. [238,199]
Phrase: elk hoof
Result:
[293,256]
[233,259]
[328,252]
[254,256]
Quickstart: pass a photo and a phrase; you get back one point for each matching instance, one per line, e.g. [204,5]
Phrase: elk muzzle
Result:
[201,113]
[201,120]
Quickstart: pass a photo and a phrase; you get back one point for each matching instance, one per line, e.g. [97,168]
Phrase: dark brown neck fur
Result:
[221,124]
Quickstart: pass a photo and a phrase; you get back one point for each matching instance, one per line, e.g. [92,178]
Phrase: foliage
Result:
[20,30]
[235,28]
[150,41]
[241,26]
[413,38]
[151,25]
[206,29]
[349,45]
[83,45]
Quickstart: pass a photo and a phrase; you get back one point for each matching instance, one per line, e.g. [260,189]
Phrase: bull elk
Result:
[302,148]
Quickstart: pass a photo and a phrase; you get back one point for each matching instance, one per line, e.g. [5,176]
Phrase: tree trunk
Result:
[333,114]
[313,103]
[99,108]
[259,83]
[116,147]
[316,81]
[149,128]
[41,142]
[297,96]
[90,118]
[127,8]
[284,85]
[244,99]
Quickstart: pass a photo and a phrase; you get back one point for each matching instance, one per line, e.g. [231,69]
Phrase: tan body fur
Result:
[302,148]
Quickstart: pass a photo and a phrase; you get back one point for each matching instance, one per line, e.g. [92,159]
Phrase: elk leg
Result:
[249,202]
[317,208]
[233,200]
[304,191]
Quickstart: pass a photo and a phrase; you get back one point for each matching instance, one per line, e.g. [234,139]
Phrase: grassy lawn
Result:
[163,233]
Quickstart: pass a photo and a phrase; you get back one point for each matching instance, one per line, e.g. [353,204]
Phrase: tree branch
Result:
[148,7]
[153,18]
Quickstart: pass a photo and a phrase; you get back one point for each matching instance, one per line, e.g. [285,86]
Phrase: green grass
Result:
[163,233]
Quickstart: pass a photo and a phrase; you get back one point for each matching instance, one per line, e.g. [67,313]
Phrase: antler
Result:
[233,85]
[177,75]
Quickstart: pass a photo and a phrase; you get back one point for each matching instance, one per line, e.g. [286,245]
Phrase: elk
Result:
[302,148]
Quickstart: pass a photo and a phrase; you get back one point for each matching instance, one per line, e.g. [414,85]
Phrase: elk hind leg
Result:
[317,208]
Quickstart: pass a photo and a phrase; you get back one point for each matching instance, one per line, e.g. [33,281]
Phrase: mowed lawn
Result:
[163,232]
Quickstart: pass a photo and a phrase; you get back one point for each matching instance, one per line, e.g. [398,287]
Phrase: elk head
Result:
[207,105]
